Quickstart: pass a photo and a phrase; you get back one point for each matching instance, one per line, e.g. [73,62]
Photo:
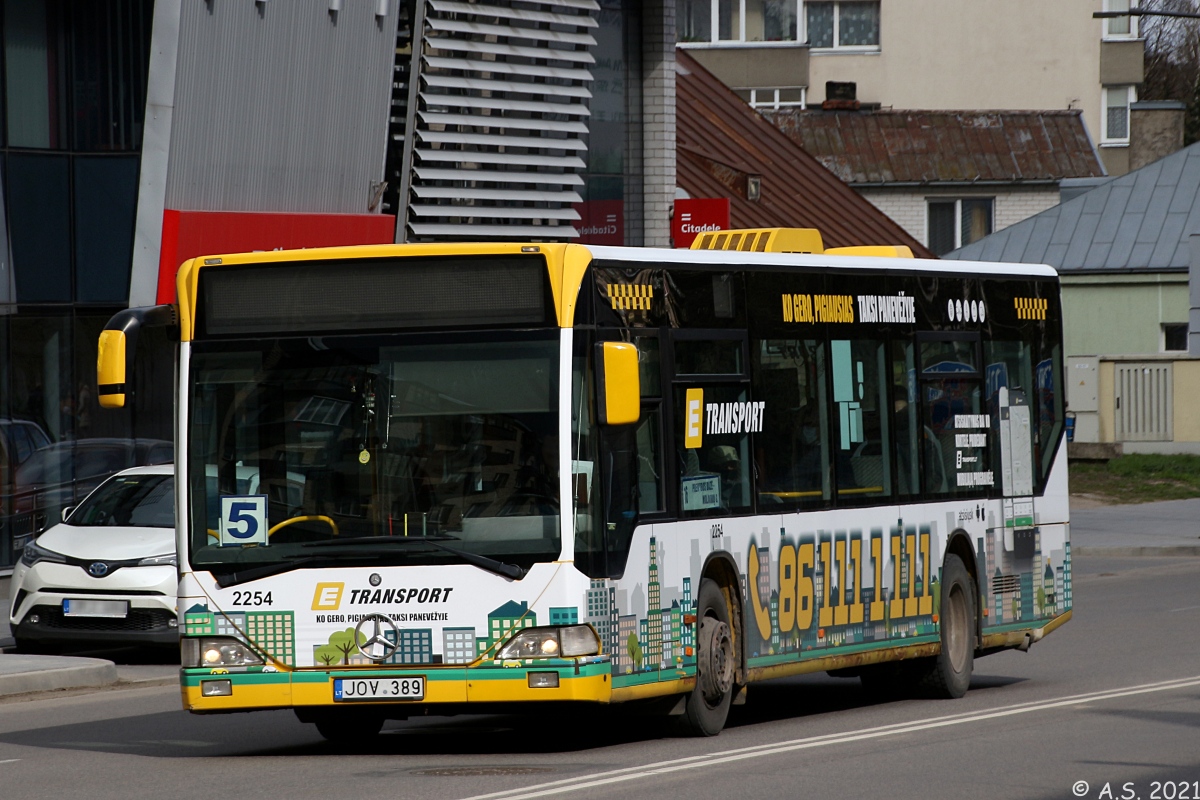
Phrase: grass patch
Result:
[1138,478]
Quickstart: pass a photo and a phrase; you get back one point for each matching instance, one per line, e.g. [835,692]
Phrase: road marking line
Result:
[10,761]
[1185,608]
[758,751]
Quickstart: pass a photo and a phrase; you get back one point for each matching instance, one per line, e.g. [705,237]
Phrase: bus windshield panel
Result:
[342,437]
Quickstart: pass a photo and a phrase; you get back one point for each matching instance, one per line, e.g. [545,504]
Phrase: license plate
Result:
[346,690]
[115,609]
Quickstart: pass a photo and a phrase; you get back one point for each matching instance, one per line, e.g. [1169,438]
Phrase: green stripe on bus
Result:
[833,652]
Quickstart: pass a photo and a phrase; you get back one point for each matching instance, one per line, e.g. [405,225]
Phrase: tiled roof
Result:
[1138,222]
[721,141]
[866,148]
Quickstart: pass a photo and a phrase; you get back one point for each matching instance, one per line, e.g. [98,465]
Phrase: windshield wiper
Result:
[501,568]
[228,579]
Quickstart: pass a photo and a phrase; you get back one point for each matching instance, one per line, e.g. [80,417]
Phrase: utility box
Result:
[1083,383]
[1083,396]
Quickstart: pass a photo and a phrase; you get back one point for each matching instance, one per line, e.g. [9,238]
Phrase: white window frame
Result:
[715,32]
[769,98]
[1162,337]
[802,31]
[1131,98]
[1118,5]
[958,201]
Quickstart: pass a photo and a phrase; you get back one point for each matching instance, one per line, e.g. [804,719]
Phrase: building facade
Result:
[1128,254]
[948,177]
[928,55]
[139,133]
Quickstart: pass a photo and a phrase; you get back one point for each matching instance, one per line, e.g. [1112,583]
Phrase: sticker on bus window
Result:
[701,491]
[243,519]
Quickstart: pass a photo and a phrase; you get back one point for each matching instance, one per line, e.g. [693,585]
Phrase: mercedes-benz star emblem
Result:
[98,569]
[377,646]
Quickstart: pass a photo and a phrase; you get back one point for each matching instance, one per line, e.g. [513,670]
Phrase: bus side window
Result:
[953,418]
[1050,414]
[862,431]
[1007,364]
[713,447]
[791,453]
[906,427]
[650,474]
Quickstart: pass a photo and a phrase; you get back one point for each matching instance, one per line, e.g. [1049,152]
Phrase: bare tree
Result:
[1173,59]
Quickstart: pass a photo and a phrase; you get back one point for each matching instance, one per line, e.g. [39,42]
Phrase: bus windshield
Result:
[396,435]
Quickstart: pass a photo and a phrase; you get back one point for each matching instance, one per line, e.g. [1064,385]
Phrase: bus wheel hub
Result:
[716,669]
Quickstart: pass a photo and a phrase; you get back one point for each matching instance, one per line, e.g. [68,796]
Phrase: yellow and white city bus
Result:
[436,478]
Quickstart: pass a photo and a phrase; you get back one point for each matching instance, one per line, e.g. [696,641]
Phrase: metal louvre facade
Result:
[490,118]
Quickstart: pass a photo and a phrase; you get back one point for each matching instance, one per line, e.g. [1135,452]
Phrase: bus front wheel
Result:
[708,705]
[949,673]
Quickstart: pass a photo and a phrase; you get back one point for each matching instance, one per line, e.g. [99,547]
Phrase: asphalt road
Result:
[1111,698]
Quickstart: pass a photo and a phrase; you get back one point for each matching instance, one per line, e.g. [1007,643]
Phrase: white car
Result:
[106,574]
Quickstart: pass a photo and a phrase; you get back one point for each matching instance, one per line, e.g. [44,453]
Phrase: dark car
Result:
[62,474]
[19,439]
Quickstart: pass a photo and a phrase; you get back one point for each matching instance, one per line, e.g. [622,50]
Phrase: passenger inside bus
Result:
[725,462]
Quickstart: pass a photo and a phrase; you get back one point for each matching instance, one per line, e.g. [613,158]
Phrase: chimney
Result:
[840,96]
[1155,131]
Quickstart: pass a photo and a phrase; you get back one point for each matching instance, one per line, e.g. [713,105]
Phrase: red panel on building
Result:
[601,222]
[697,215]
[187,234]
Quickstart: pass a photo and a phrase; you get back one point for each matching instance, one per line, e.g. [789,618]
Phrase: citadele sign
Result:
[696,216]
[601,222]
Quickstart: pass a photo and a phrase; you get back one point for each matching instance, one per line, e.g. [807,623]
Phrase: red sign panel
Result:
[695,216]
[187,234]
[601,222]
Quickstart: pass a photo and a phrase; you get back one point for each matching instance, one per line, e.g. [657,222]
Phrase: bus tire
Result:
[708,705]
[949,673]
[349,727]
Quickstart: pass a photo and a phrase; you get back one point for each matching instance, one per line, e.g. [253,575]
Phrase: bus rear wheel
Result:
[707,706]
[949,673]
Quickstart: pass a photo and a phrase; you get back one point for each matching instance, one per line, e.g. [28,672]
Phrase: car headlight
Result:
[566,642]
[217,652]
[32,553]
[168,559]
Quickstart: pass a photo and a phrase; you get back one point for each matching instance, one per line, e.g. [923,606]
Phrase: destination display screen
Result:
[385,294]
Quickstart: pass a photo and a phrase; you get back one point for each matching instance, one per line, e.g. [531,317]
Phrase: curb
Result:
[48,673]
[1139,552]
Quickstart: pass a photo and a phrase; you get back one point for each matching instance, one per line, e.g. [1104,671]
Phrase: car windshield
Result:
[135,501]
[340,438]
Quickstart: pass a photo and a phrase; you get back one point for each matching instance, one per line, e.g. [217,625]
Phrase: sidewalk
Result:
[20,674]
[1165,529]
[1170,528]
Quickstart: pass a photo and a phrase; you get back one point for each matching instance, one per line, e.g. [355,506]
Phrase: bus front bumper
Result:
[586,680]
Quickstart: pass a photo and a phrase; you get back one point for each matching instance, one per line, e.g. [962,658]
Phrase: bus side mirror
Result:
[117,347]
[619,389]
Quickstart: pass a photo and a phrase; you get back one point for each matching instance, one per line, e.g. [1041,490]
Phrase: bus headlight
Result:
[218,652]
[565,642]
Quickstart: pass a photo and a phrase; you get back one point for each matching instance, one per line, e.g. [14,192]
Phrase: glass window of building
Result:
[736,20]
[1115,122]
[842,24]
[955,223]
